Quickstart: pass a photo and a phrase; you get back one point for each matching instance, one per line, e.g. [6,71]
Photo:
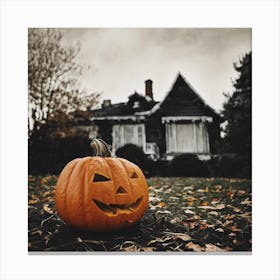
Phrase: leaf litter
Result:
[184,214]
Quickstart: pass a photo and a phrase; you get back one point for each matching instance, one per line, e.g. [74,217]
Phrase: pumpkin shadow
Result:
[67,238]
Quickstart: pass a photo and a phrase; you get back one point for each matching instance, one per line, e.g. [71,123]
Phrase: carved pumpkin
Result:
[101,193]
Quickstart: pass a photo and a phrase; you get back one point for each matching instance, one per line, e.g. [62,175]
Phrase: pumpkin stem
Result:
[100,148]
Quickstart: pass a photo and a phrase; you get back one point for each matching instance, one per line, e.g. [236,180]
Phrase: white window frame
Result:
[138,129]
[199,128]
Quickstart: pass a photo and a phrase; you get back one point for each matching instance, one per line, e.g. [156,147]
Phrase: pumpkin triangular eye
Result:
[100,178]
[134,175]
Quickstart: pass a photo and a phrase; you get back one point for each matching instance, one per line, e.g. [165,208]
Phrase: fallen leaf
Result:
[189,212]
[194,218]
[182,236]
[190,198]
[218,188]
[214,200]
[38,231]
[227,248]
[213,248]
[190,225]
[219,230]
[217,207]
[230,193]
[48,193]
[229,216]
[163,212]
[241,192]
[32,201]
[227,222]
[174,198]
[204,203]
[237,210]
[194,247]
[247,202]
[220,206]
[131,248]
[175,221]
[234,228]
[203,226]
[190,203]
[246,216]
[161,204]
[43,181]
[160,240]
[153,199]
[188,188]
[47,209]
[206,207]
[31,179]
[214,213]
[147,249]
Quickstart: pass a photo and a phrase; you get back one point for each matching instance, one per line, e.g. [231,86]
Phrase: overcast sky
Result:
[121,59]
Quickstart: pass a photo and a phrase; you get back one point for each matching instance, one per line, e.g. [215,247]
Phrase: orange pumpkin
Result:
[101,193]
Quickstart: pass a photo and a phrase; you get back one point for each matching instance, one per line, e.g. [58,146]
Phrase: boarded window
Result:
[128,133]
[187,138]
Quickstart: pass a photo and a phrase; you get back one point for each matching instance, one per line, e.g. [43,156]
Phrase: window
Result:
[187,138]
[128,133]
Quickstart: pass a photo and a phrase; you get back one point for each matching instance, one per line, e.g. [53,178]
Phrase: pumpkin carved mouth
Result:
[114,209]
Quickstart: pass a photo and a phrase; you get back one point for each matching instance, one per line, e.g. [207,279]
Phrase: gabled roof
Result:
[136,103]
[110,110]
[182,100]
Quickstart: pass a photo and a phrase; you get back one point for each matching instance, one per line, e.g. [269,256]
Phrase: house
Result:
[181,123]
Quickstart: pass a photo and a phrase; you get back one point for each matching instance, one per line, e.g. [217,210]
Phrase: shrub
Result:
[136,154]
[51,154]
[230,165]
[188,165]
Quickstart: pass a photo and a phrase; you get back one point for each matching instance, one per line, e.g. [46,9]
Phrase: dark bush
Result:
[136,155]
[230,165]
[162,168]
[188,165]
[51,154]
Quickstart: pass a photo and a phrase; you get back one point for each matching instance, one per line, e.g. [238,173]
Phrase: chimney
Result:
[106,103]
[149,88]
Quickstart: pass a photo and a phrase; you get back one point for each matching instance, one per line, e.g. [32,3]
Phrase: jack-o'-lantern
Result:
[101,193]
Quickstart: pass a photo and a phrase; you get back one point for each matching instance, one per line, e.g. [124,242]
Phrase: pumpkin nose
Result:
[121,190]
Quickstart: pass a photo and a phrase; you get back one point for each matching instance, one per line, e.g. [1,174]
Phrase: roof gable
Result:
[183,100]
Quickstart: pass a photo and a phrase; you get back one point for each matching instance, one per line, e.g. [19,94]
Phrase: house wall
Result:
[155,133]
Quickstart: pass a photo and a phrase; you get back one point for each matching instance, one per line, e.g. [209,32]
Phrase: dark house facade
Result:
[181,123]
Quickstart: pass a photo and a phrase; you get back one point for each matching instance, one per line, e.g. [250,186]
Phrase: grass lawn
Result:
[185,214]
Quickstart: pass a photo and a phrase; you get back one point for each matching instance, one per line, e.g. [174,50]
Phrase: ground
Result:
[184,214]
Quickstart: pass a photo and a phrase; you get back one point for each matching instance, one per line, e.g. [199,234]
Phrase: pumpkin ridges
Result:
[85,196]
[62,190]
[128,164]
[98,162]
[137,215]
[120,178]
[75,198]
[128,176]
[107,166]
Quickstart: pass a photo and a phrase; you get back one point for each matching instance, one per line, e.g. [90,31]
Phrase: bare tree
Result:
[53,86]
